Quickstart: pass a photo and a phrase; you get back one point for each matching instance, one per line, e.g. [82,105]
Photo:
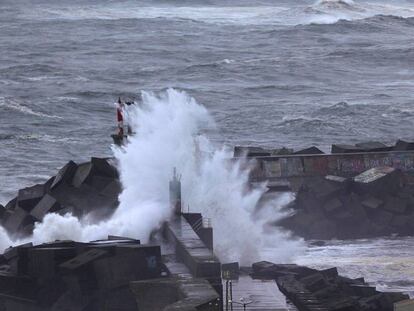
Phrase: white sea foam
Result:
[331,11]
[169,133]
[16,106]
[321,11]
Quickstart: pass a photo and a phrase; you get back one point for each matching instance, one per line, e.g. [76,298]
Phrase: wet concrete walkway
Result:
[264,294]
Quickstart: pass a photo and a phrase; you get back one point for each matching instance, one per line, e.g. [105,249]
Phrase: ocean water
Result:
[271,73]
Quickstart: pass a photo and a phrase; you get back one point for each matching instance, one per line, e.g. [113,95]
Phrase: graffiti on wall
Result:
[292,166]
[353,164]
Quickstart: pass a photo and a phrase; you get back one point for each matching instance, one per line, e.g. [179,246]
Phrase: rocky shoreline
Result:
[325,290]
[378,202]
[86,276]
[80,189]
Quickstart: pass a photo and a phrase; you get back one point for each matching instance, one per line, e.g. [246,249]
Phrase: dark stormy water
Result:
[272,73]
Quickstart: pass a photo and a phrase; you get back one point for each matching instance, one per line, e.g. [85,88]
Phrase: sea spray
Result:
[170,132]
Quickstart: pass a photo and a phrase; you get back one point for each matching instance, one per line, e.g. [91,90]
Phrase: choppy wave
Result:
[29,68]
[387,263]
[321,12]
[10,104]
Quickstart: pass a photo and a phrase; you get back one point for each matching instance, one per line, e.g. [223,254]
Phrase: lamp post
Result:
[242,303]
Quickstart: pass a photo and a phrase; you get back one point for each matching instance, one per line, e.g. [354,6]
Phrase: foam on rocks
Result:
[325,290]
[90,188]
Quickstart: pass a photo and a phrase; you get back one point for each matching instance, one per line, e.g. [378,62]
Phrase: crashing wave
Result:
[336,4]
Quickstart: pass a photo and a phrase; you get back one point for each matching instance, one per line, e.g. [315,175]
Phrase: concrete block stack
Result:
[67,275]
[91,187]
[374,203]
[310,289]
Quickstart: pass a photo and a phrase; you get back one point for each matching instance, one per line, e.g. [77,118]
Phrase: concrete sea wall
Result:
[346,164]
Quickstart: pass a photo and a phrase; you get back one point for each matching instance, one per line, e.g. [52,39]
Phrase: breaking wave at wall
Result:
[170,131]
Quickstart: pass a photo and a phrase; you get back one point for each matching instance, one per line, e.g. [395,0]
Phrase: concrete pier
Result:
[189,248]
[263,294]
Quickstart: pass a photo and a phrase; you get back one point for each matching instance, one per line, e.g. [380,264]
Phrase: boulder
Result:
[100,183]
[83,174]
[282,151]
[354,205]
[269,270]
[11,205]
[83,259]
[344,217]
[332,206]
[96,167]
[362,290]
[17,219]
[2,211]
[17,258]
[112,190]
[378,181]
[310,289]
[400,222]
[83,200]
[49,183]
[337,179]
[240,151]
[372,203]
[382,218]
[103,168]
[300,222]
[42,276]
[323,189]
[46,205]
[28,197]
[373,146]
[345,149]
[323,229]
[65,174]
[395,205]
[402,145]
[138,263]
[314,282]
[310,150]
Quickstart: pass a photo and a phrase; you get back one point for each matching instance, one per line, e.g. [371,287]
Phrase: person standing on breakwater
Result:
[120,117]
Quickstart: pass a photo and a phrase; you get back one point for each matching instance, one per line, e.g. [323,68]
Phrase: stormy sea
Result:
[266,73]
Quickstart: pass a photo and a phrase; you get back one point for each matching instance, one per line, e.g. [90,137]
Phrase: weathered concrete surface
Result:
[377,202]
[263,294]
[72,276]
[180,291]
[348,161]
[193,253]
[311,289]
[91,187]
[196,222]
[189,248]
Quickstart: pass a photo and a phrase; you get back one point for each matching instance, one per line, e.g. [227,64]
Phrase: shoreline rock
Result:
[90,187]
[311,289]
[377,202]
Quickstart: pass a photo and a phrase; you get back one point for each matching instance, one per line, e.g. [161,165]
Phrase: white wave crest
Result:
[169,129]
[320,12]
[16,106]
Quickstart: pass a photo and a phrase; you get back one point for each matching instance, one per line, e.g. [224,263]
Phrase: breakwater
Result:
[344,161]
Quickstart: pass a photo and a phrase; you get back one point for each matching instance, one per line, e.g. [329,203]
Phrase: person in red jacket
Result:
[120,117]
